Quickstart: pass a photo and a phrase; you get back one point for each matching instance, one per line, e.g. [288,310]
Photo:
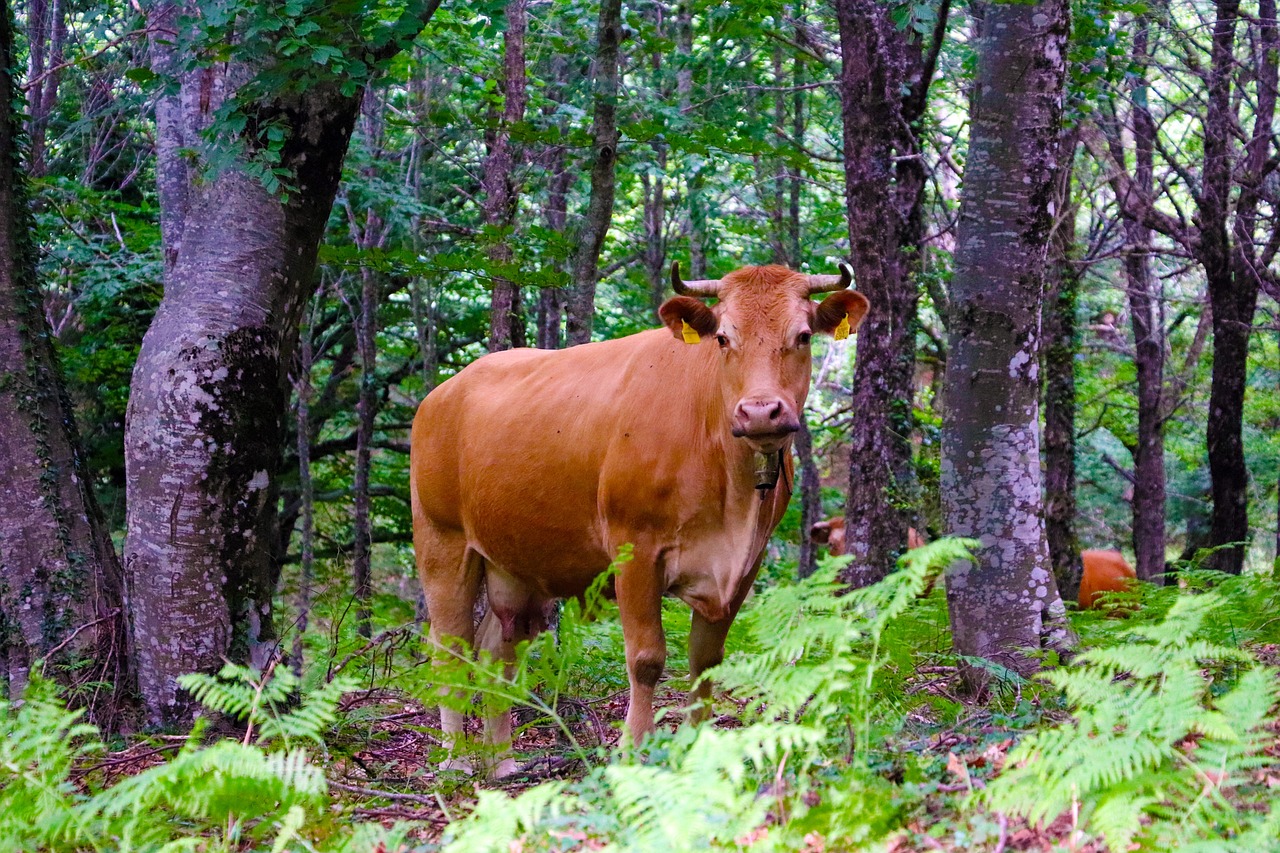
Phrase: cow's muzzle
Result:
[764,420]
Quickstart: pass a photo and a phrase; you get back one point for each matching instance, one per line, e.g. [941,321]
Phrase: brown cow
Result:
[1103,571]
[831,534]
[532,468]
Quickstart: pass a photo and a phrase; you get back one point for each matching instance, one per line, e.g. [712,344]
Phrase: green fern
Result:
[806,663]
[263,700]
[40,742]
[227,795]
[1168,728]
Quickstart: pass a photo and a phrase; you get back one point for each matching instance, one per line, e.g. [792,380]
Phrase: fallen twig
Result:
[420,799]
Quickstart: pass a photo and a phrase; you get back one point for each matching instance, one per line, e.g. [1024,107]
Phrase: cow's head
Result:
[831,534]
[763,324]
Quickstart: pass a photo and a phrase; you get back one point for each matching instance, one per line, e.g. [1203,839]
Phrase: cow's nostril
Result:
[763,416]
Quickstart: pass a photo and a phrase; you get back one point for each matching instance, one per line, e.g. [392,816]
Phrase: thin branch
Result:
[53,651]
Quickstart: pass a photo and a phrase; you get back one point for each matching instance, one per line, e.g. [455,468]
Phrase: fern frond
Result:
[1151,747]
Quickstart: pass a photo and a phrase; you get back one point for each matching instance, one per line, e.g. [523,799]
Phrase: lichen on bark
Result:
[1004,606]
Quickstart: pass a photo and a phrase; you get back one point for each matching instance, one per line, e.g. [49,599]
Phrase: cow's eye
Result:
[803,339]
[722,340]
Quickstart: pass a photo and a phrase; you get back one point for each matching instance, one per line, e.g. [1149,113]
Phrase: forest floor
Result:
[392,778]
[384,767]
[382,757]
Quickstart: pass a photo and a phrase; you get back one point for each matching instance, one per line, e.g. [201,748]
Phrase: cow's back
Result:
[1103,571]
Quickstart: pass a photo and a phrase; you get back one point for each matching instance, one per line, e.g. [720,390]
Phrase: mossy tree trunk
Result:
[1062,282]
[205,429]
[884,83]
[1005,602]
[61,585]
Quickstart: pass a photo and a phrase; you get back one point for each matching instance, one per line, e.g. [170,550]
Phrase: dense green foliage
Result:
[841,724]
[1168,726]
[214,794]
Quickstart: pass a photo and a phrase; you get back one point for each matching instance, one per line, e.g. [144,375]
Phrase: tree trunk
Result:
[506,328]
[1149,345]
[779,207]
[654,253]
[61,586]
[366,414]
[1006,601]
[1232,299]
[797,133]
[46,35]
[306,497]
[884,185]
[205,425]
[1061,343]
[581,304]
[694,181]
[551,299]
[810,500]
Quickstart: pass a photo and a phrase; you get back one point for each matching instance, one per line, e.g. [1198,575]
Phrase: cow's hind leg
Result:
[451,574]
[515,614]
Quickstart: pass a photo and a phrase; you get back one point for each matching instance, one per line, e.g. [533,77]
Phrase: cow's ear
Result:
[833,310]
[688,319]
[820,533]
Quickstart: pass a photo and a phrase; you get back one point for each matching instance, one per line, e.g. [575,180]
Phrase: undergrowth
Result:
[1159,738]
[1167,746]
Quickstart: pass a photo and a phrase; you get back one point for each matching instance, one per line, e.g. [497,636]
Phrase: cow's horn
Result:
[830,283]
[702,287]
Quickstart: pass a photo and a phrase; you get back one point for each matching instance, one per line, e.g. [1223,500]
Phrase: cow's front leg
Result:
[640,609]
[706,647]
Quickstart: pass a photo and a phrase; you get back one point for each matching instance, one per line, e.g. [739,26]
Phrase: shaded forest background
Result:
[524,174]
[729,152]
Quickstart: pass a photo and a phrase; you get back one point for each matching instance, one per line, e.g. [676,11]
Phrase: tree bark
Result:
[306,497]
[1061,344]
[581,303]
[654,253]
[694,182]
[779,207]
[1005,604]
[550,309]
[506,327]
[46,35]
[810,500]
[61,586]
[205,426]
[551,299]
[366,414]
[798,126]
[884,185]
[1227,474]
[1148,339]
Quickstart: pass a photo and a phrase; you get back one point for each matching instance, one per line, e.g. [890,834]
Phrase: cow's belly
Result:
[545,536]
[542,568]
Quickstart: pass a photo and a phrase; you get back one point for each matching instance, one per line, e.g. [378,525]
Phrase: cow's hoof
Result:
[506,767]
[457,765]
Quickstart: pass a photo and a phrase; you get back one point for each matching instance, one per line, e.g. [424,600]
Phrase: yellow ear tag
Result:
[692,337]
[842,330]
